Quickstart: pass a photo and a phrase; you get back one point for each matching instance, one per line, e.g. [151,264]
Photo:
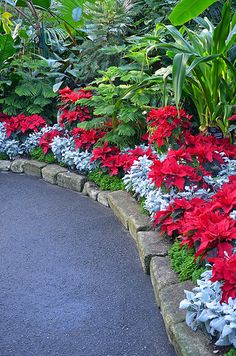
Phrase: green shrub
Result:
[105,181]
[182,262]
[37,153]
[3,156]
[231,352]
[142,206]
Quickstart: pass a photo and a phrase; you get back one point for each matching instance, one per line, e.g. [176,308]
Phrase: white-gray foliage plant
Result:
[204,310]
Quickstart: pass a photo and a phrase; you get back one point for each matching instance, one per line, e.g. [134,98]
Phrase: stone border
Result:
[152,249]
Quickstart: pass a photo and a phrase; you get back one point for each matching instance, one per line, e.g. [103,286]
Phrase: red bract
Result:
[225,198]
[46,140]
[84,139]
[116,161]
[78,115]
[224,269]
[68,95]
[174,218]
[168,125]
[133,155]
[101,153]
[32,123]
[24,124]
[70,113]
[3,117]
[232,118]
[212,146]
[171,173]
[213,228]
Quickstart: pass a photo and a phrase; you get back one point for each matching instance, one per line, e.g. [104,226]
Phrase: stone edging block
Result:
[71,181]
[162,276]
[123,206]
[189,343]
[91,189]
[5,165]
[170,298]
[34,168]
[50,172]
[103,197]
[18,165]
[138,222]
[150,244]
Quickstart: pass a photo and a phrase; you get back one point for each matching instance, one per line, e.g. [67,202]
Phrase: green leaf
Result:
[179,73]
[186,10]
[6,47]
[221,32]
[44,4]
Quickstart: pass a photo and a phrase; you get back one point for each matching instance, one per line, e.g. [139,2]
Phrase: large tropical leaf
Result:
[6,47]
[186,10]
[71,11]
[44,4]
[221,32]
[178,74]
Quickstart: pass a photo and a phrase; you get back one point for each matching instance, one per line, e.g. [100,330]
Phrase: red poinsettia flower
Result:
[24,124]
[104,151]
[232,118]
[68,95]
[167,125]
[3,117]
[46,140]
[225,198]
[85,139]
[224,269]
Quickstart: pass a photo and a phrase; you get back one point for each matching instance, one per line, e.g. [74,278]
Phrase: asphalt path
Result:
[71,282]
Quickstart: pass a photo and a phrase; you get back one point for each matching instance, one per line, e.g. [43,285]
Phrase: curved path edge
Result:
[152,249]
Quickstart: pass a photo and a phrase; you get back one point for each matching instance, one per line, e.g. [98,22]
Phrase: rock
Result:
[33,168]
[189,343]
[5,165]
[150,244]
[161,275]
[91,189]
[170,298]
[138,222]
[103,198]
[123,206]
[71,181]
[18,165]
[50,172]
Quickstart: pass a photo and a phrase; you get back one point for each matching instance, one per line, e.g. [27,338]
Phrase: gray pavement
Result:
[71,283]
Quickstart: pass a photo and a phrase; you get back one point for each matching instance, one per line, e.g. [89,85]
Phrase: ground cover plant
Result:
[137,114]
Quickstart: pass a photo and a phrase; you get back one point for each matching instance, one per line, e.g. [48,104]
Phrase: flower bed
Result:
[186,182]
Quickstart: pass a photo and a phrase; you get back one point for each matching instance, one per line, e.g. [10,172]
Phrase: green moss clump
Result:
[231,352]
[142,206]
[38,154]
[183,263]
[3,156]
[105,181]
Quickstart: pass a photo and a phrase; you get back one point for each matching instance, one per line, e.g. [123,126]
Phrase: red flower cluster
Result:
[205,225]
[3,117]
[70,113]
[84,139]
[208,148]
[224,269]
[46,140]
[171,173]
[69,95]
[24,124]
[80,114]
[167,126]
[116,161]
